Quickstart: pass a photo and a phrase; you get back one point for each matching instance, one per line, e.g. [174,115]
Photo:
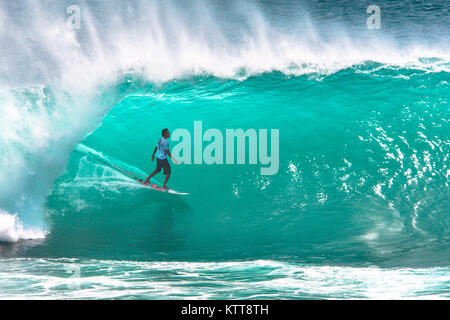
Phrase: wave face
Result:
[362,114]
[363,173]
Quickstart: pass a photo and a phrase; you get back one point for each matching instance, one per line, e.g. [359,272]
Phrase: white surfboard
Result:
[159,188]
[150,185]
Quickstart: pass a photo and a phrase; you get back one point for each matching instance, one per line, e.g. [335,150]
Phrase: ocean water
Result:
[359,206]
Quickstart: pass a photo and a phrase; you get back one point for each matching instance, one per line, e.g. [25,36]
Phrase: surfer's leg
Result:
[158,169]
[165,181]
[150,176]
[147,181]
[166,166]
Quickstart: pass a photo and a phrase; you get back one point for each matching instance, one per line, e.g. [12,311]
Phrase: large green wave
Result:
[363,175]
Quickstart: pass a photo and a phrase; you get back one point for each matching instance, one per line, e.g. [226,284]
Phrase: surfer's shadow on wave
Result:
[159,233]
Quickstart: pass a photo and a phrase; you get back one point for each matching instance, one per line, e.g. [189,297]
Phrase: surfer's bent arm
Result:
[170,155]
[153,155]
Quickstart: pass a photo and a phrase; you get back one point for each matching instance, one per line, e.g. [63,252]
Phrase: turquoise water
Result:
[359,206]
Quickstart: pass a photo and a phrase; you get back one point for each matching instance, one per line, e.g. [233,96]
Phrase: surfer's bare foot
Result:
[164,187]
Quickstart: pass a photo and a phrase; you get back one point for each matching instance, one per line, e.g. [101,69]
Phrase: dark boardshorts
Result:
[163,164]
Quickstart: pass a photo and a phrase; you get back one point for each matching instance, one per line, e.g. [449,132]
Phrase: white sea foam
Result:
[12,230]
[163,41]
[259,279]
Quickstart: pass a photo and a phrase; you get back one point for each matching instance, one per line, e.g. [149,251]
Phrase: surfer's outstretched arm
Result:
[170,155]
[153,155]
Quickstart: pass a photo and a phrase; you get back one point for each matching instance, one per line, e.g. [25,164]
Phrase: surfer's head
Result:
[165,133]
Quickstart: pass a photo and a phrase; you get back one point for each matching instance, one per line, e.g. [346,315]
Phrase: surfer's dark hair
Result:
[164,131]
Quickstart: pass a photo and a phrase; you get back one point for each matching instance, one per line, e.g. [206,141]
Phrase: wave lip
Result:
[178,40]
[12,230]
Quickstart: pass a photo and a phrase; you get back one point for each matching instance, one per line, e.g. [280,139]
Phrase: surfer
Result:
[162,147]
